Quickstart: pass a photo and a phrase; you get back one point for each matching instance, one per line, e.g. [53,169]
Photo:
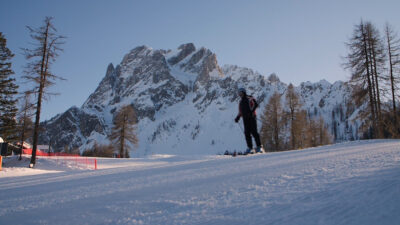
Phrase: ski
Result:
[238,153]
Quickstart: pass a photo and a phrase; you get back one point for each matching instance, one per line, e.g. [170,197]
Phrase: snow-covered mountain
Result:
[186,103]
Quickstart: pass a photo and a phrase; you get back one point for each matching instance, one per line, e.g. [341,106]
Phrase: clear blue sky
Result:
[298,40]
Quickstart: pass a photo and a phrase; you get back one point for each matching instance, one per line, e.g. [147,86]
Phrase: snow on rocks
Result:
[189,81]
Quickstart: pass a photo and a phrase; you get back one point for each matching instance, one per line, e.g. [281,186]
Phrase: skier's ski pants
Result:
[250,129]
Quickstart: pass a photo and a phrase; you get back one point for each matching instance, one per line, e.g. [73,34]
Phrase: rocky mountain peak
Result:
[188,46]
[136,53]
[110,70]
[185,50]
[186,103]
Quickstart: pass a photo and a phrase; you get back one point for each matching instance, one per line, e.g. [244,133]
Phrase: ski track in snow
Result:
[349,183]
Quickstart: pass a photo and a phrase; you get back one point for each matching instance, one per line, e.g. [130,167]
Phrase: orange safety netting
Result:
[28,151]
[73,159]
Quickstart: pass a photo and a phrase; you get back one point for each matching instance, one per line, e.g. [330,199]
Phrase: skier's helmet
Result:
[242,90]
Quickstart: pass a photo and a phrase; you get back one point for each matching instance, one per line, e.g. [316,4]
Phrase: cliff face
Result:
[186,103]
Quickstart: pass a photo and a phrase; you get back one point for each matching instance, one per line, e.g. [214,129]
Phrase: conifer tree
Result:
[41,57]
[123,131]
[8,91]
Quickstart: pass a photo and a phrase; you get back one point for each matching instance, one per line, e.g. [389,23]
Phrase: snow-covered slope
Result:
[351,183]
[186,103]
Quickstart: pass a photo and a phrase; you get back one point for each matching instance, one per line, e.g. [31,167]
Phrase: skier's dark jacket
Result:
[247,107]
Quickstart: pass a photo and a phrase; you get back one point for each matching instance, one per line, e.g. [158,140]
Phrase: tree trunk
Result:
[377,96]
[121,147]
[391,75]
[22,135]
[370,93]
[39,101]
[292,128]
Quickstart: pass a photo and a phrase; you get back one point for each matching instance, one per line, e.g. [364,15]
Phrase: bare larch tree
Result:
[294,105]
[273,124]
[393,53]
[366,62]
[123,132]
[40,58]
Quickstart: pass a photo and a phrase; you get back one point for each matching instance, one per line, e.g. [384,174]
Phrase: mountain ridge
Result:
[186,102]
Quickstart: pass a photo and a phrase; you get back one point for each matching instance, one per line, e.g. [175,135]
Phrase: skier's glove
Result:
[237,119]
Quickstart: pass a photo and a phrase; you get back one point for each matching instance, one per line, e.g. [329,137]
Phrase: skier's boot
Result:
[248,151]
[260,149]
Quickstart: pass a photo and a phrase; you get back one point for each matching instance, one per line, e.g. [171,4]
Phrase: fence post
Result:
[1,162]
[95,164]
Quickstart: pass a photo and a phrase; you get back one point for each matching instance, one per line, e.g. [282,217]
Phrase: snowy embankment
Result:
[350,183]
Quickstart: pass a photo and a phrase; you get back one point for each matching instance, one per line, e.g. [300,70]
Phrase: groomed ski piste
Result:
[349,183]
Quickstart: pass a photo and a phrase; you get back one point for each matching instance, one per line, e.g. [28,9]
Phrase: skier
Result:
[247,110]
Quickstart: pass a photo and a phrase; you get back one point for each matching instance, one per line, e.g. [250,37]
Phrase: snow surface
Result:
[348,183]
